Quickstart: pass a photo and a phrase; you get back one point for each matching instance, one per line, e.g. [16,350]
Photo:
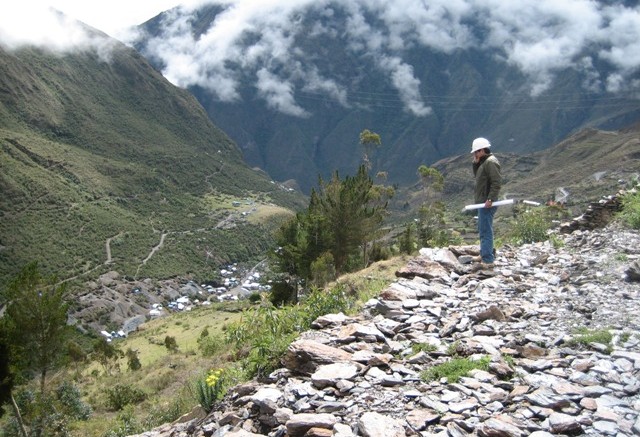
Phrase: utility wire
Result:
[471,104]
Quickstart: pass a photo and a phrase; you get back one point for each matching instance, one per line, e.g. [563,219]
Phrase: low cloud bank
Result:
[257,39]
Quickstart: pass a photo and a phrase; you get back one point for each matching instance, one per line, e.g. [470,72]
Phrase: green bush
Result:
[171,344]
[323,270]
[70,399]
[126,424]
[47,414]
[320,302]
[267,331]
[282,292]
[210,346]
[454,369]
[121,395]
[407,240]
[255,297]
[379,252]
[423,347]
[630,213]
[530,226]
[585,336]
[133,362]
[160,413]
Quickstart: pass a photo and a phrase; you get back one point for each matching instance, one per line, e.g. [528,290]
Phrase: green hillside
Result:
[102,160]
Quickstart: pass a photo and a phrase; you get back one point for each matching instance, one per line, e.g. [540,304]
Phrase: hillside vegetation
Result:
[107,166]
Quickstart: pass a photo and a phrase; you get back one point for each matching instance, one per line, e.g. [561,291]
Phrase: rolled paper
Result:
[531,202]
[481,205]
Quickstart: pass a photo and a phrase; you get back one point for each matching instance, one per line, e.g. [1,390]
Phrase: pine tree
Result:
[343,216]
[35,322]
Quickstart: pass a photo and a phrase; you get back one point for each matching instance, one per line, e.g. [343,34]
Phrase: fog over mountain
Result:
[293,83]
[539,38]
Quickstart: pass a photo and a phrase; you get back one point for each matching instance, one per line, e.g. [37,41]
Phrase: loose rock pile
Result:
[598,214]
[361,376]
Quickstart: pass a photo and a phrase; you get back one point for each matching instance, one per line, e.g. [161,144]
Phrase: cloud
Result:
[278,94]
[622,42]
[253,43]
[539,37]
[407,85]
[22,24]
[542,37]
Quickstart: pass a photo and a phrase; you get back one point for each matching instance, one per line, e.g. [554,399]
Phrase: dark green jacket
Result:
[488,179]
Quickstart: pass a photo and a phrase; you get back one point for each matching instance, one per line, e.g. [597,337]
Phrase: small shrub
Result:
[320,302]
[210,346]
[452,349]
[282,293]
[171,344]
[624,337]
[454,369]
[585,336]
[71,402]
[509,360]
[530,226]
[621,257]
[161,414]
[267,331]
[126,424]
[630,213]
[48,414]
[556,241]
[378,252]
[161,381]
[423,347]
[122,395]
[323,269]
[407,240]
[133,362]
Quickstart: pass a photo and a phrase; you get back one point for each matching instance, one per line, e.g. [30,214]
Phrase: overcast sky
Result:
[109,16]
[539,37]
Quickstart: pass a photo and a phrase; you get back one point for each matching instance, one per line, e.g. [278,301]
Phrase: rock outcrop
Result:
[365,375]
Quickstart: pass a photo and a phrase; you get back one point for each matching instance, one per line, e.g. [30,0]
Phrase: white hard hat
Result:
[480,143]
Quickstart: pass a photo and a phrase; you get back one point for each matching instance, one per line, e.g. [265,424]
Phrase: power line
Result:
[470,104]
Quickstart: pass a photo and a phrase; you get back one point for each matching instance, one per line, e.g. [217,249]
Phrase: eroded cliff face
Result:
[361,375]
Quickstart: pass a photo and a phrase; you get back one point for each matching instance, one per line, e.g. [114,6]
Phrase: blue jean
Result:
[485,229]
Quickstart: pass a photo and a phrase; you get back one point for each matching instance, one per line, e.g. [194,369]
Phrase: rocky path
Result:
[107,247]
[155,248]
[362,375]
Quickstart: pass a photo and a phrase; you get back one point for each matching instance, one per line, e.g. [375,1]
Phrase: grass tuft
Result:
[454,369]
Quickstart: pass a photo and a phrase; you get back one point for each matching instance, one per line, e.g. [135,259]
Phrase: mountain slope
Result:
[107,166]
[295,86]
[582,168]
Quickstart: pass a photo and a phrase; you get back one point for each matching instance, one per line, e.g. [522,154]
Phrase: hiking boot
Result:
[477,266]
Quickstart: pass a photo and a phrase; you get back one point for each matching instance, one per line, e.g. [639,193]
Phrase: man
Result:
[486,170]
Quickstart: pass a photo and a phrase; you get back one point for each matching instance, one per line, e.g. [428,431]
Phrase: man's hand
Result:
[488,203]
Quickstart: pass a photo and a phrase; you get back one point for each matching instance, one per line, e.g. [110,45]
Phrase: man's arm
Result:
[495,179]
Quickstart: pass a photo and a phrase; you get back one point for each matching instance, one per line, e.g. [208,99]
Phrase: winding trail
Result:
[156,248]
[153,251]
[107,246]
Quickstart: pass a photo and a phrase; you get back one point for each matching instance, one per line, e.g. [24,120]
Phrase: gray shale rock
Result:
[361,376]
